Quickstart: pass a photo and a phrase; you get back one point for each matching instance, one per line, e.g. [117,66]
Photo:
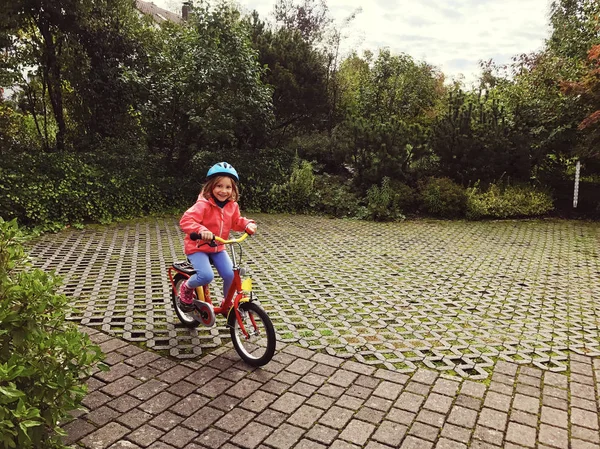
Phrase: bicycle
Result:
[250,327]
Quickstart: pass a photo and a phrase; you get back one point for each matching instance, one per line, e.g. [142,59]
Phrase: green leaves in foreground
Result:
[44,359]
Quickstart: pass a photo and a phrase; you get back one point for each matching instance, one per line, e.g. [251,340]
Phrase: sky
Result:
[452,35]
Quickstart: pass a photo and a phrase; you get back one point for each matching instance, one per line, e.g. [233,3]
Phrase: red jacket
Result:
[205,215]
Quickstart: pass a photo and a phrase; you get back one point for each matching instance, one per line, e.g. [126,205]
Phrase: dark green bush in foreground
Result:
[43,358]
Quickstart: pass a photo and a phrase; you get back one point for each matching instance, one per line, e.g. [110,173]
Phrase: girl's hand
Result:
[251,228]
[207,235]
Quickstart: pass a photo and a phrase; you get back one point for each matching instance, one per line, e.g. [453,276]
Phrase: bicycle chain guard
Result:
[204,313]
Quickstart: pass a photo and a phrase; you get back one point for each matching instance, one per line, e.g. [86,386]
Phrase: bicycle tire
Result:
[186,319]
[256,351]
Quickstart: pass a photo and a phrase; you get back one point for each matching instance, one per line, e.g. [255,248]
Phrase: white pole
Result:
[576,191]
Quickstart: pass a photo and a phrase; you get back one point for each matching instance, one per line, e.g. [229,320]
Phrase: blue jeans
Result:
[204,272]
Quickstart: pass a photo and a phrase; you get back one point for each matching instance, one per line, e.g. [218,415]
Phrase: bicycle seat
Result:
[185,267]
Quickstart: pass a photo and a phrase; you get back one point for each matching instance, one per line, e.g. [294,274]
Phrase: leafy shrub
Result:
[406,198]
[43,358]
[335,198]
[297,194]
[383,203]
[442,197]
[507,201]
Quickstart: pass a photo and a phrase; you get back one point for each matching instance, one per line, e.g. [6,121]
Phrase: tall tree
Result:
[388,102]
[204,93]
[574,27]
[308,17]
[77,53]
[44,26]
[296,71]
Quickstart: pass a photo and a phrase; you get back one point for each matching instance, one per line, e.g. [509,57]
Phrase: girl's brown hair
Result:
[208,187]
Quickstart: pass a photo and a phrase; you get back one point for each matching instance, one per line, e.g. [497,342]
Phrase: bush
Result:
[298,193]
[43,358]
[442,197]
[383,203]
[52,190]
[507,201]
[335,198]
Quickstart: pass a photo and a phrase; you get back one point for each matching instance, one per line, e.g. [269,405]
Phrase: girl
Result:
[216,212]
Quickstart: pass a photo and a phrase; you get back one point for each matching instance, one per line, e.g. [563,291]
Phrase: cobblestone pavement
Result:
[456,297]
[305,399]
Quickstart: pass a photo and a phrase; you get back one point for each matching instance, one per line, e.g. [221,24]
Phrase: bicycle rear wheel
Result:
[258,349]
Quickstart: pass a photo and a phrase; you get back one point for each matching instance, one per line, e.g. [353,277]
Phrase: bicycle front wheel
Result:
[259,347]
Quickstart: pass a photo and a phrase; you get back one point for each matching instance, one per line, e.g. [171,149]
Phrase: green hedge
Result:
[43,358]
[52,190]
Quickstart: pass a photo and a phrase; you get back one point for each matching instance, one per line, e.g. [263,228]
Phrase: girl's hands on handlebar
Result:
[251,228]
[207,236]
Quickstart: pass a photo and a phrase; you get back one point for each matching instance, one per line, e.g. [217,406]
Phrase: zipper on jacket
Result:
[222,222]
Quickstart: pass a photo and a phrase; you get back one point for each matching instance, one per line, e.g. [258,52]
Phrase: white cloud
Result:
[453,35]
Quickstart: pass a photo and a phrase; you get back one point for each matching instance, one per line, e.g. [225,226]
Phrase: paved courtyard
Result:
[451,296]
[305,399]
[422,334]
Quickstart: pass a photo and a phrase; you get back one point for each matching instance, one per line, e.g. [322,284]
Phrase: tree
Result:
[587,91]
[574,27]
[109,42]
[297,73]
[203,90]
[44,26]
[387,102]
[73,53]
[308,17]
[478,139]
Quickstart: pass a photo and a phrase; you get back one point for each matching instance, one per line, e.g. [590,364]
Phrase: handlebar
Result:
[244,236]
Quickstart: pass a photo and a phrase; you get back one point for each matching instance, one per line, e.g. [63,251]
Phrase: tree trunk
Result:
[52,75]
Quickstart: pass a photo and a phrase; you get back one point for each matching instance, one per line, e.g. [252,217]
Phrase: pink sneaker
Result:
[186,298]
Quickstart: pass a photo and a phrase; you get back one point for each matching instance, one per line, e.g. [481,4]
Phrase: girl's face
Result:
[223,188]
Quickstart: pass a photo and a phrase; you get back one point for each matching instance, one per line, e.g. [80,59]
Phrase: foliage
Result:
[297,194]
[43,358]
[385,203]
[335,198]
[574,27]
[308,17]
[52,190]
[68,57]
[297,73]
[203,92]
[507,201]
[477,140]
[442,197]
[110,41]
[387,104]
[587,91]
[142,110]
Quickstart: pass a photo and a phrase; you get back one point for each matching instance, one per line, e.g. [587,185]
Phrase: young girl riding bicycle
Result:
[216,212]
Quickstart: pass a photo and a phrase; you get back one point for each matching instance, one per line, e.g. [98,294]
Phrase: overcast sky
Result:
[453,35]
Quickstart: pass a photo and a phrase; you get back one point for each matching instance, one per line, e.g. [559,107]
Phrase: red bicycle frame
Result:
[235,295]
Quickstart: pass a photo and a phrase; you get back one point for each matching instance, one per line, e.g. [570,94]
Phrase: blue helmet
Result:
[223,169]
